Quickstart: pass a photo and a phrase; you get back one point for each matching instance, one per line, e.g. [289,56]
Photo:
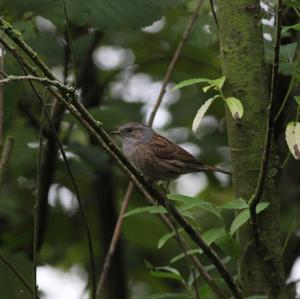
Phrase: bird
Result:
[156,157]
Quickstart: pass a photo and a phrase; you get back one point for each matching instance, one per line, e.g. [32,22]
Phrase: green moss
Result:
[243,65]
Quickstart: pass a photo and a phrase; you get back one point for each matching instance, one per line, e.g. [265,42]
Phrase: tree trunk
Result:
[243,64]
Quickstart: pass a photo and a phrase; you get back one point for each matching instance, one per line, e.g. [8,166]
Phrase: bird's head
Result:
[133,132]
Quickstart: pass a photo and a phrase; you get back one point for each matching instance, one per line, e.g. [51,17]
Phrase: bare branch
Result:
[117,232]
[103,139]
[174,60]
[42,80]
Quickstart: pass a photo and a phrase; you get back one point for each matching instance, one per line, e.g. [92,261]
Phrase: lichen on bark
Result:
[243,64]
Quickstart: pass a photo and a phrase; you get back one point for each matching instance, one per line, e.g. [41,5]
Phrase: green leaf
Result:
[294,27]
[115,14]
[163,272]
[202,204]
[180,197]
[297,99]
[229,245]
[166,237]
[292,3]
[292,137]
[202,110]
[219,82]
[213,234]
[244,216]
[287,52]
[151,210]
[182,255]
[235,106]
[10,283]
[189,82]
[236,204]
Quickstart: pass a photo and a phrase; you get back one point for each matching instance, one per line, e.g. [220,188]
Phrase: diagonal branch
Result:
[25,65]
[96,129]
[171,66]
[167,221]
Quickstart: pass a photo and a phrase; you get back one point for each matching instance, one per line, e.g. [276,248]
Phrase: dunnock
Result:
[155,156]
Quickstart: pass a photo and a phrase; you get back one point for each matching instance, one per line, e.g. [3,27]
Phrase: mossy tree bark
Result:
[243,64]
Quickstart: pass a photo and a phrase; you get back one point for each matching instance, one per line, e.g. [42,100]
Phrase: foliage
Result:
[115,91]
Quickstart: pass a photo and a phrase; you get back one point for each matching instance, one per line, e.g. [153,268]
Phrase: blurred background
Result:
[119,72]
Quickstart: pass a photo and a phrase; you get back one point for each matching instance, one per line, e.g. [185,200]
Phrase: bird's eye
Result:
[129,130]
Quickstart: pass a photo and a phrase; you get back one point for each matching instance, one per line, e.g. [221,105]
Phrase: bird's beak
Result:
[116,132]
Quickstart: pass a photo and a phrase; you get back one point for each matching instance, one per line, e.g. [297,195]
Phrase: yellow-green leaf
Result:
[235,106]
[292,137]
[202,110]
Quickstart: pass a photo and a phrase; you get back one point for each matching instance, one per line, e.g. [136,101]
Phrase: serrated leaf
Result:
[202,110]
[162,241]
[189,82]
[235,106]
[292,137]
[236,204]
[297,99]
[182,255]
[151,210]
[244,216]
[294,27]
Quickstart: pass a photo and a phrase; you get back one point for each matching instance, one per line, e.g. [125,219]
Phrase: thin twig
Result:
[117,230]
[95,128]
[269,127]
[42,80]
[174,60]
[52,128]
[6,261]
[212,6]
[36,209]
[114,240]
[69,43]
[5,157]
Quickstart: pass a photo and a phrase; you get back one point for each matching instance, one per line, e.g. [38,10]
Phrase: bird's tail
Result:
[215,169]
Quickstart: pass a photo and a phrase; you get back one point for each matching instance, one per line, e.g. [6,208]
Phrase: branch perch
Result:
[96,129]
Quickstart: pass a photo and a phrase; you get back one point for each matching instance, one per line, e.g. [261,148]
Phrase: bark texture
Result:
[243,64]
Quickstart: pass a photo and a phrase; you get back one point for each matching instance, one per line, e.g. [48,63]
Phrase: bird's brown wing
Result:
[165,149]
